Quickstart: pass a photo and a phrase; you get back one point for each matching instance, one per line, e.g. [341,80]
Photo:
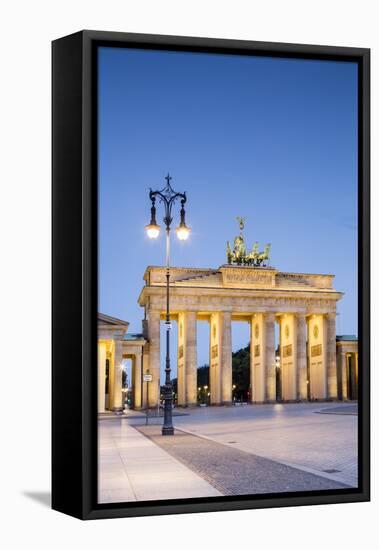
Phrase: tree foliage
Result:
[240,375]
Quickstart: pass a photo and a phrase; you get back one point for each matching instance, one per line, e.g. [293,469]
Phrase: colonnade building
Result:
[303,305]
[114,345]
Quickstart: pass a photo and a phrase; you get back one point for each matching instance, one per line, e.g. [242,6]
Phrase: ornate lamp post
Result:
[168,197]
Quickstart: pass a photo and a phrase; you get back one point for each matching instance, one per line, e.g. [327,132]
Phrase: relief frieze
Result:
[248,277]
[316,350]
[287,351]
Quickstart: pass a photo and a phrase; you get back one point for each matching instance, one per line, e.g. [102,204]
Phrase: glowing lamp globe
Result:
[183,232]
[152,231]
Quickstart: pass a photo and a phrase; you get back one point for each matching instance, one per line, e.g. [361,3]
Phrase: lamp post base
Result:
[167,430]
[167,427]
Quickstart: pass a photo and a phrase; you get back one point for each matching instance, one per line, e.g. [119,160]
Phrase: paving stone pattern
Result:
[232,471]
[293,434]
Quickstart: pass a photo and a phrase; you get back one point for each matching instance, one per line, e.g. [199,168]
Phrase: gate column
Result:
[343,376]
[331,362]
[226,358]
[137,380]
[115,375]
[288,356]
[181,378]
[101,361]
[191,358]
[215,358]
[187,358]
[317,342]
[154,357]
[270,364]
[257,364]
[262,357]
[301,353]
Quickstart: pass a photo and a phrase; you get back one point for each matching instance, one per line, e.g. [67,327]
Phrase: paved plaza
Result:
[229,450]
[294,434]
[133,468]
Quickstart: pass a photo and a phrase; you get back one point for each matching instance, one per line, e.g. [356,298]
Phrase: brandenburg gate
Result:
[304,305]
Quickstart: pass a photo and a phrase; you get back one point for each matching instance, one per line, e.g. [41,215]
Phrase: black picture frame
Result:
[74,272]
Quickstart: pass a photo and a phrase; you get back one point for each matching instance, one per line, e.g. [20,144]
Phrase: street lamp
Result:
[168,197]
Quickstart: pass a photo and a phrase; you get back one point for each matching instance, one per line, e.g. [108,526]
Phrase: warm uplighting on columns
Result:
[152,229]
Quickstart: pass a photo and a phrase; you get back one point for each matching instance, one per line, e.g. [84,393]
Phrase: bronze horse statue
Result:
[240,256]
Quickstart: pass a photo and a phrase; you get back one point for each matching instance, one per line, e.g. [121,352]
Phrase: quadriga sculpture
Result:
[265,255]
[240,256]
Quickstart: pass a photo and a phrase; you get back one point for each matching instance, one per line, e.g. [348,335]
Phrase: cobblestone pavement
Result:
[292,434]
[232,471]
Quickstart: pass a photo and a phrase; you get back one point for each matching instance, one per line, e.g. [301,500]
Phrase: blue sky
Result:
[274,140]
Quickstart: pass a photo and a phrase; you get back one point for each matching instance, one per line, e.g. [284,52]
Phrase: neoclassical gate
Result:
[304,305]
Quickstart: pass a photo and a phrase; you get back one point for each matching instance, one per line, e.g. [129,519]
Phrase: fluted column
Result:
[116,401]
[145,370]
[331,361]
[191,358]
[101,360]
[215,358]
[356,364]
[288,357]
[301,357]
[354,379]
[226,358]
[137,381]
[181,360]
[317,353]
[110,358]
[257,358]
[344,395]
[270,372]
[153,390]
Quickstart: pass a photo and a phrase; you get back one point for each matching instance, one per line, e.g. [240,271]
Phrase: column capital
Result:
[190,314]
[226,314]
[269,317]
[301,315]
[331,315]
[118,342]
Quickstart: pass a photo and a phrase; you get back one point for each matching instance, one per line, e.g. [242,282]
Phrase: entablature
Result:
[240,277]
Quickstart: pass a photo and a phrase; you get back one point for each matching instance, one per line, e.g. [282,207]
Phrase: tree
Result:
[240,376]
